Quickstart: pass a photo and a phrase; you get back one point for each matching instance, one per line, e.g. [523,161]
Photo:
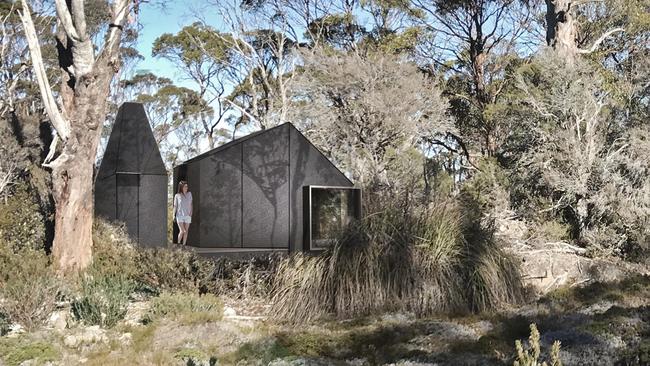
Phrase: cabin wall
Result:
[221,200]
[131,184]
[265,190]
[152,208]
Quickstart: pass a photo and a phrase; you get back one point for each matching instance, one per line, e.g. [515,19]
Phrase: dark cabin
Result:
[269,191]
[131,184]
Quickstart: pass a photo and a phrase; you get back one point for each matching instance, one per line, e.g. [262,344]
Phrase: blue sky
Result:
[155,21]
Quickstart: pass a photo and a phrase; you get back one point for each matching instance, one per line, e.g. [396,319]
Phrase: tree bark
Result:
[84,89]
[73,179]
[561,29]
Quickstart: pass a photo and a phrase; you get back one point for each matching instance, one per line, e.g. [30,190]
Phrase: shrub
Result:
[113,251]
[530,356]
[15,352]
[550,230]
[103,299]
[22,224]
[28,286]
[4,324]
[154,270]
[244,278]
[438,259]
[187,307]
[174,270]
[489,187]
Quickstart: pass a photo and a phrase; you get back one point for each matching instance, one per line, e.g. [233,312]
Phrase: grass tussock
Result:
[432,260]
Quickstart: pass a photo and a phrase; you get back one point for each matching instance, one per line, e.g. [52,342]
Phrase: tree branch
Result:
[61,125]
[600,40]
[111,45]
[66,20]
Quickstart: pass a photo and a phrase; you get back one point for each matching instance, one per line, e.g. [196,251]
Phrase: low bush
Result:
[16,352]
[103,299]
[28,286]
[550,231]
[175,270]
[244,278]
[22,224]
[186,307]
[530,356]
[152,270]
[113,251]
[438,259]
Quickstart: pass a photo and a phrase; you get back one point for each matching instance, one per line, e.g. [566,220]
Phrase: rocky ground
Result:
[598,324]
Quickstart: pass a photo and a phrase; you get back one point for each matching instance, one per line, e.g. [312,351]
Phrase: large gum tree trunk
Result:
[73,181]
[73,189]
[78,120]
[561,28]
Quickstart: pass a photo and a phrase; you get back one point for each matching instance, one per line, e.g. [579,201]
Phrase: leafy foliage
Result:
[435,260]
[28,286]
[103,299]
[22,225]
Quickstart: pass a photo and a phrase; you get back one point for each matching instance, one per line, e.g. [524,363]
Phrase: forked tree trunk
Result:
[84,90]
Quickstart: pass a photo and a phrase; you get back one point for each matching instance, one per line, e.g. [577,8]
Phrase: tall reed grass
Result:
[436,259]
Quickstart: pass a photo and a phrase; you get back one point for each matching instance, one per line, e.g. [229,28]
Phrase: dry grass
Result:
[434,260]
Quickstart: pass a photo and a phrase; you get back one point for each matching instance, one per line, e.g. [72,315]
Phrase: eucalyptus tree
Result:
[174,113]
[205,56]
[472,43]
[577,158]
[87,66]
[369,113]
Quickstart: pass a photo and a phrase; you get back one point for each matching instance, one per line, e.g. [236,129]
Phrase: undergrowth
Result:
[437,259]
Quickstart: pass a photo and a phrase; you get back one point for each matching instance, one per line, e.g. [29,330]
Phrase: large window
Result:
[330,211]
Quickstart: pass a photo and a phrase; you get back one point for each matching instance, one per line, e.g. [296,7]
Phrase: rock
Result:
[71,341]
[135,312]
[58,320]
[229,312]
[15,330]
[86,336]
[125,339]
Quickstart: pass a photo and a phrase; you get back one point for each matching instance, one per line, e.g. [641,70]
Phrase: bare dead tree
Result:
[77,117]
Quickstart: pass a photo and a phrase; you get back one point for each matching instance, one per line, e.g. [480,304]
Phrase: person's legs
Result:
[187,230]
[181,232]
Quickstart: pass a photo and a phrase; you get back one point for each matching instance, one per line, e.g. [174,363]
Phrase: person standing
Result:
[183,211]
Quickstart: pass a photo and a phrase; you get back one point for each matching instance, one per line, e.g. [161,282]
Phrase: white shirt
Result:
[183,204]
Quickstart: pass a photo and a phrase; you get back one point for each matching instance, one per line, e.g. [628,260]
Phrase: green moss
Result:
[570,298]
[263,352]
[18,351]
[497,341]
[638,356]
[142,337]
